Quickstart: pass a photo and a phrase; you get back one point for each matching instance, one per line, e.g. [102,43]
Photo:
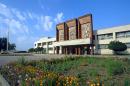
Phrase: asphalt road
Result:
[7,59]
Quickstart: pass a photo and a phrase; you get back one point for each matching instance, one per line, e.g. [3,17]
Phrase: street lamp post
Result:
[7,39]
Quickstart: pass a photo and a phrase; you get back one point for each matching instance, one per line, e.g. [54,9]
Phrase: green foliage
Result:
[117,46]
[23,83]
[59,65]
[22,61]
[85,68]
[93,72]
[127,82]
[12,46]
[37,83]
[31,50]
[49,82]
[3,44]
[114,67]
[91,60]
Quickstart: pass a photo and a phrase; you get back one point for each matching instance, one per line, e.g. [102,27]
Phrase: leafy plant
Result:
[114,67]
[117,46]
[22,61]
[127,82]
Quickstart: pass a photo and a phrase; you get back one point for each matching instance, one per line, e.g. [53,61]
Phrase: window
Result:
[43,43]
[109,36]
[50,43]
[102,46]
[39,44]
[105,36]
[128,34]
[128,45]
[120,35]
[50,48]
[123,34]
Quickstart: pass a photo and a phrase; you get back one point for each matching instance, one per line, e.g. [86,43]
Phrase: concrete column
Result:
[53,49]
[114,35]
[79,51]
[47,50]
[60,50]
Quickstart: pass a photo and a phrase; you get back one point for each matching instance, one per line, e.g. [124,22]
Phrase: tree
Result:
[31,50]
[3,45]
[117,46]
[12,46]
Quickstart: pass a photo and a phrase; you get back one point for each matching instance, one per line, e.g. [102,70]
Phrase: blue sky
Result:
[28,20]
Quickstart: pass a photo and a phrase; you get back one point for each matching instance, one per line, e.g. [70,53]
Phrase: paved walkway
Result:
[7,59]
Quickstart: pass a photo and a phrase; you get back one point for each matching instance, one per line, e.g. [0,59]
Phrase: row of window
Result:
[105,46]
[43,44]
[124,34]
[105,36]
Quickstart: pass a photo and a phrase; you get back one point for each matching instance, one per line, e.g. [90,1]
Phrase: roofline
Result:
[60,23]
[85,15]
[71,20]
[113,27]
[89,14]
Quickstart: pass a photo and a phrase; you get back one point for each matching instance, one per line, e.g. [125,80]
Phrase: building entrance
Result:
[77,49]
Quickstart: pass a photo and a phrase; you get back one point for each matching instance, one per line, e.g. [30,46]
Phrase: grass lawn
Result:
[77,71]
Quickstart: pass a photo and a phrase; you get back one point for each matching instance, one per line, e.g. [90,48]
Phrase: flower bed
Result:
[77,71]
[19,75]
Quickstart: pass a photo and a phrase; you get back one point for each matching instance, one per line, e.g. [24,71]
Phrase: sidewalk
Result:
[3,82]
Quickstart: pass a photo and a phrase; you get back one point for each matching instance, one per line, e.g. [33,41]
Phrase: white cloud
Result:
[13,19]
[18,15]
[59,17]
[30,15]
[5,11]
[23,24]
[45,23]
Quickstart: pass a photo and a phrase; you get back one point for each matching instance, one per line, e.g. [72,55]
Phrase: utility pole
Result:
[7,38]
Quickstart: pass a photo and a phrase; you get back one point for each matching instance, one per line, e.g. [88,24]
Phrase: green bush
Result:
[93,72]
[127,82]
[91,60]
[114,67]
[117,46]
[22,61]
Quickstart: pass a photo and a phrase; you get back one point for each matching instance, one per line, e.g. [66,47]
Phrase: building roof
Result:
[46,39]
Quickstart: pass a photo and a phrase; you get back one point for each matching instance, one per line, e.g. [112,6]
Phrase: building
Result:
[77,36]
[73,36]
[104,36]
[46,43]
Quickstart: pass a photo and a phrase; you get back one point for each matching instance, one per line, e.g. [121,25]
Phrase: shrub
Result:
[115,67]
[117,46]
[31,50]
[22,61]
[127,82]
[91,60]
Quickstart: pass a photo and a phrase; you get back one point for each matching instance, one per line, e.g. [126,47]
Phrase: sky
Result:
[29,20]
